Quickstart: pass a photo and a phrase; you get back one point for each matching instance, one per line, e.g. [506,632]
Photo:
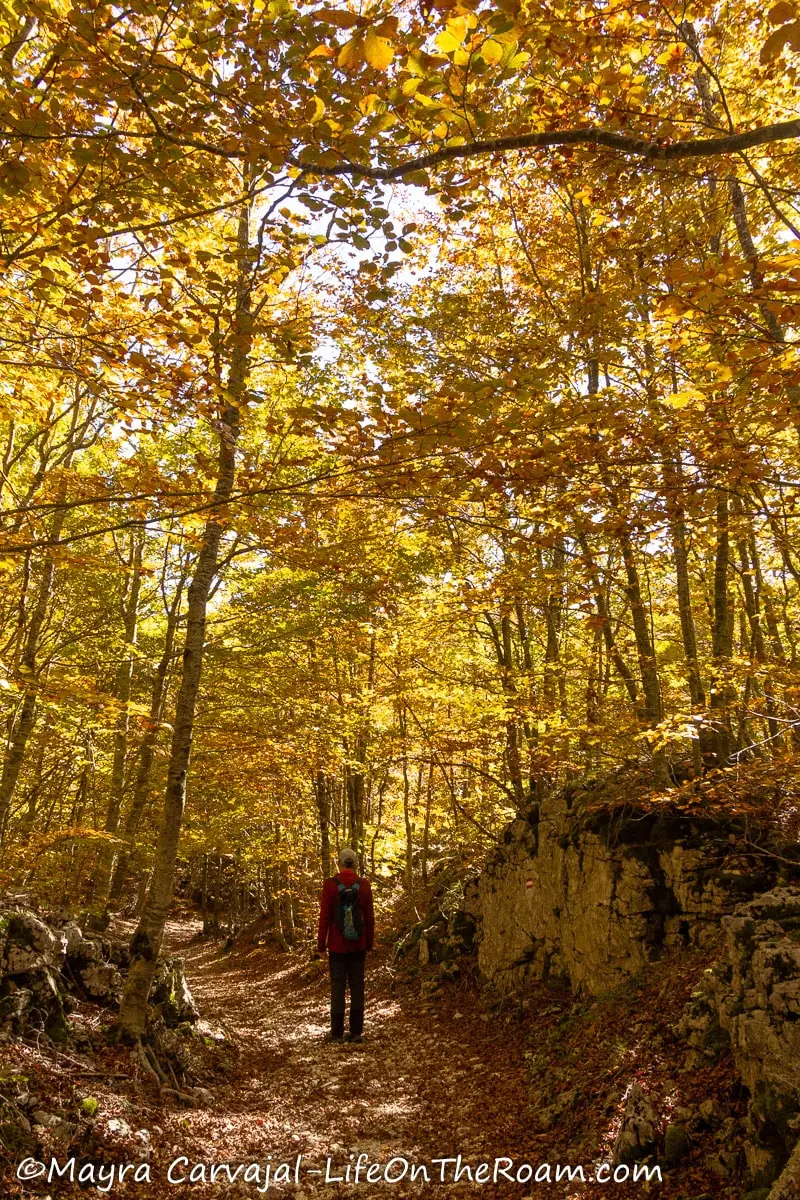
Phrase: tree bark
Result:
[147,939]
[147,748]
[122,695]
[323,801]
[721,637]
[29,659]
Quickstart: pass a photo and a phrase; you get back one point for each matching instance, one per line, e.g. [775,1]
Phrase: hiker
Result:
[346,927]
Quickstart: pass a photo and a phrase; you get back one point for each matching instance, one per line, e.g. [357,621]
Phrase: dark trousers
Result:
[347,970]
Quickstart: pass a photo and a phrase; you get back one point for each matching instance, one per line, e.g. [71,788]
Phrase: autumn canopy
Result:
[400,410]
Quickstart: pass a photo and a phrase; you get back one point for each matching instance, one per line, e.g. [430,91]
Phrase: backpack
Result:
[349,919]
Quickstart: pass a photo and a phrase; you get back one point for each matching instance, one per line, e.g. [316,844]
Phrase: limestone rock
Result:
[752,996]
[97,977]
[170,993]
[32,993]
[118,1128]
[756,989]
[596,901]
[638,1133]
[41,967]
[787,1186]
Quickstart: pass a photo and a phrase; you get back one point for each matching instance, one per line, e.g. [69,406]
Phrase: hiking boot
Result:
[334,1037]
[354,1037]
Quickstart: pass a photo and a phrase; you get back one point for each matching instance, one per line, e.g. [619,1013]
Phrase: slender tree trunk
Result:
[751,573]
[409,871]
[721,636]
[322,796]
[147,749]
[501,638]
[673,481]
[146,943]
[645,650]
[612,649]
[122,694]
[426,831]
[29,661]
[553,613]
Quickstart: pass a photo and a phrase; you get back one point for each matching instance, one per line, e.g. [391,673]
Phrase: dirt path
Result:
[430,1081]
[538,1082]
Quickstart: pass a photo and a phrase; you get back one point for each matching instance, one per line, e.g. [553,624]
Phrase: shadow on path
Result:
[430,1080]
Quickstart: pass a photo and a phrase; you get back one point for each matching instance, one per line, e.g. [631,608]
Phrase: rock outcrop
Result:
[752,998]
[593,897]
[44,969]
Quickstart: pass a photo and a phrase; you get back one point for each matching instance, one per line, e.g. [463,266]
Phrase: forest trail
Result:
[431,1080]
[538,1080]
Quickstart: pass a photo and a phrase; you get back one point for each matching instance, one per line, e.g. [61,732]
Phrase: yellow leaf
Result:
[367,103]
[378,51]
[491,52]
[352,52]
[447,42]
[683,399]
[457,26]
[673,52]
[319,109]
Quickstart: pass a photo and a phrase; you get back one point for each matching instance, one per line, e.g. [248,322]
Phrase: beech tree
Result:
[400,413]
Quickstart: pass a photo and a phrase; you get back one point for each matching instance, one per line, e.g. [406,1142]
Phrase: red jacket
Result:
[329,931]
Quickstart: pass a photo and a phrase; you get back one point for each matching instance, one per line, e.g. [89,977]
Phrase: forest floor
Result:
[538,1081]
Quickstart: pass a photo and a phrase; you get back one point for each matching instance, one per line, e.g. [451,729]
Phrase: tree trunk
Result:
[409,871]
[673,481]
[612,649]
[721,637]
[28,665]
[426,832]
[323,798]
[501,638]
[122,695]
[147,748]
[146,943]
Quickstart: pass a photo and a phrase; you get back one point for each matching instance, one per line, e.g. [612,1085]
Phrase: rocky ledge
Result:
[592,895]
[46,966]
[751,998]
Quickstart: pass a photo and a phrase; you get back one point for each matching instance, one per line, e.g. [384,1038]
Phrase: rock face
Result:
[594,898]
[752,995]
[43,969]
[576,892]
[32,990]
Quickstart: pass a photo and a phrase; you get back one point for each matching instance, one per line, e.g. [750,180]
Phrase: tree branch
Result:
[652,151]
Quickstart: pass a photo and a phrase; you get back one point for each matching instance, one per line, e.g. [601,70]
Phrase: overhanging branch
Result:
[648,149]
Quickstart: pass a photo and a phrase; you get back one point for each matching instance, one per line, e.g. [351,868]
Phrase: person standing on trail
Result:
[346,930]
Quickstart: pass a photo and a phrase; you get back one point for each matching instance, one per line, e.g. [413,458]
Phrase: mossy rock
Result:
[17,1139]
[677,1144]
